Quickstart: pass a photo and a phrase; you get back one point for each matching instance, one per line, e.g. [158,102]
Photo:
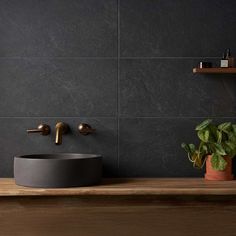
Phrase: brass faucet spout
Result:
[61,128]
[58,140]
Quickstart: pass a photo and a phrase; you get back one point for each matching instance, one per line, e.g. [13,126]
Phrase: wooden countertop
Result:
[129,186]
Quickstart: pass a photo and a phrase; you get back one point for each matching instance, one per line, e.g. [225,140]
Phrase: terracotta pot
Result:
[212,174]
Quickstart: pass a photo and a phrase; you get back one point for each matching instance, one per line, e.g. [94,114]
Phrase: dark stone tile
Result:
[15,141]
[177,28]
[58,87]
[151,147]
[167,87]
[58,28]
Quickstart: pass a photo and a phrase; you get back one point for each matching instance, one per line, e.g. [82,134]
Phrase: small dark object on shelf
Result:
[205,64]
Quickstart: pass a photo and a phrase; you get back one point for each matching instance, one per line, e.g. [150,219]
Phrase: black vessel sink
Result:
[58,170]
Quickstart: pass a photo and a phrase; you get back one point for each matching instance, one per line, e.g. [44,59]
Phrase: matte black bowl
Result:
[58,170]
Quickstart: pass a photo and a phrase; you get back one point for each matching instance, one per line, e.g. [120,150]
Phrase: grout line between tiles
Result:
[170,57]
[116,117]
[176,117]
[118,87]
[106,58]
[56,117]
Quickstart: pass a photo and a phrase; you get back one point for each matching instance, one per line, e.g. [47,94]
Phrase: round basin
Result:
[58,170]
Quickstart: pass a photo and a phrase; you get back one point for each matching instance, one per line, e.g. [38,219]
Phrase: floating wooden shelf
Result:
[215,70]
[150,206]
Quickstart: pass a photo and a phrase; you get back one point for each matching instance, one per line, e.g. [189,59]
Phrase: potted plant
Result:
[217,147]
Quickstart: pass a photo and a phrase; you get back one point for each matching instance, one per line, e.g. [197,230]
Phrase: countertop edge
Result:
[128,187]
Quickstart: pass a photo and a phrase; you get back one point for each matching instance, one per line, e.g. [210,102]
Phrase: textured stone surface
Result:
[123,66]
[58,28]
[167,87]
[58,87]
[168,28]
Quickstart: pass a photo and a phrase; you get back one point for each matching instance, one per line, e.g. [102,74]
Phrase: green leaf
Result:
[219,136]
[227,149]
[225,127]
[218,162]
[213,133]
[232,137]
[230,148]
[203,125]
[205,149]
[219,149]
[231,144]
[189,148]
[192,147]
[234,129]
[203,135]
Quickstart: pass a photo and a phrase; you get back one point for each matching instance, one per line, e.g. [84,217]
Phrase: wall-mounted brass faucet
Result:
[85,129]
[61,128]
[43,129]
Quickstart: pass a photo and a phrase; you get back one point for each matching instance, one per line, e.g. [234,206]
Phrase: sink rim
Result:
[59,156]
[58,170]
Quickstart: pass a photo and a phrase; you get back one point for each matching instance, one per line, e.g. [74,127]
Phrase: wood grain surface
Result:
[121,207]
[116,216]
[227,70]
[137,186]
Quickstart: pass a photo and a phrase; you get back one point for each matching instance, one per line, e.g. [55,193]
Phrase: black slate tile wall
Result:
[84,28]
[167,88]
[125,67]
[58,87]
[168,28]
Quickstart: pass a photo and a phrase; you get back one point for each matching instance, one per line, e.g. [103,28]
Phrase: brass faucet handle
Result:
[85,129]
[43,129]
